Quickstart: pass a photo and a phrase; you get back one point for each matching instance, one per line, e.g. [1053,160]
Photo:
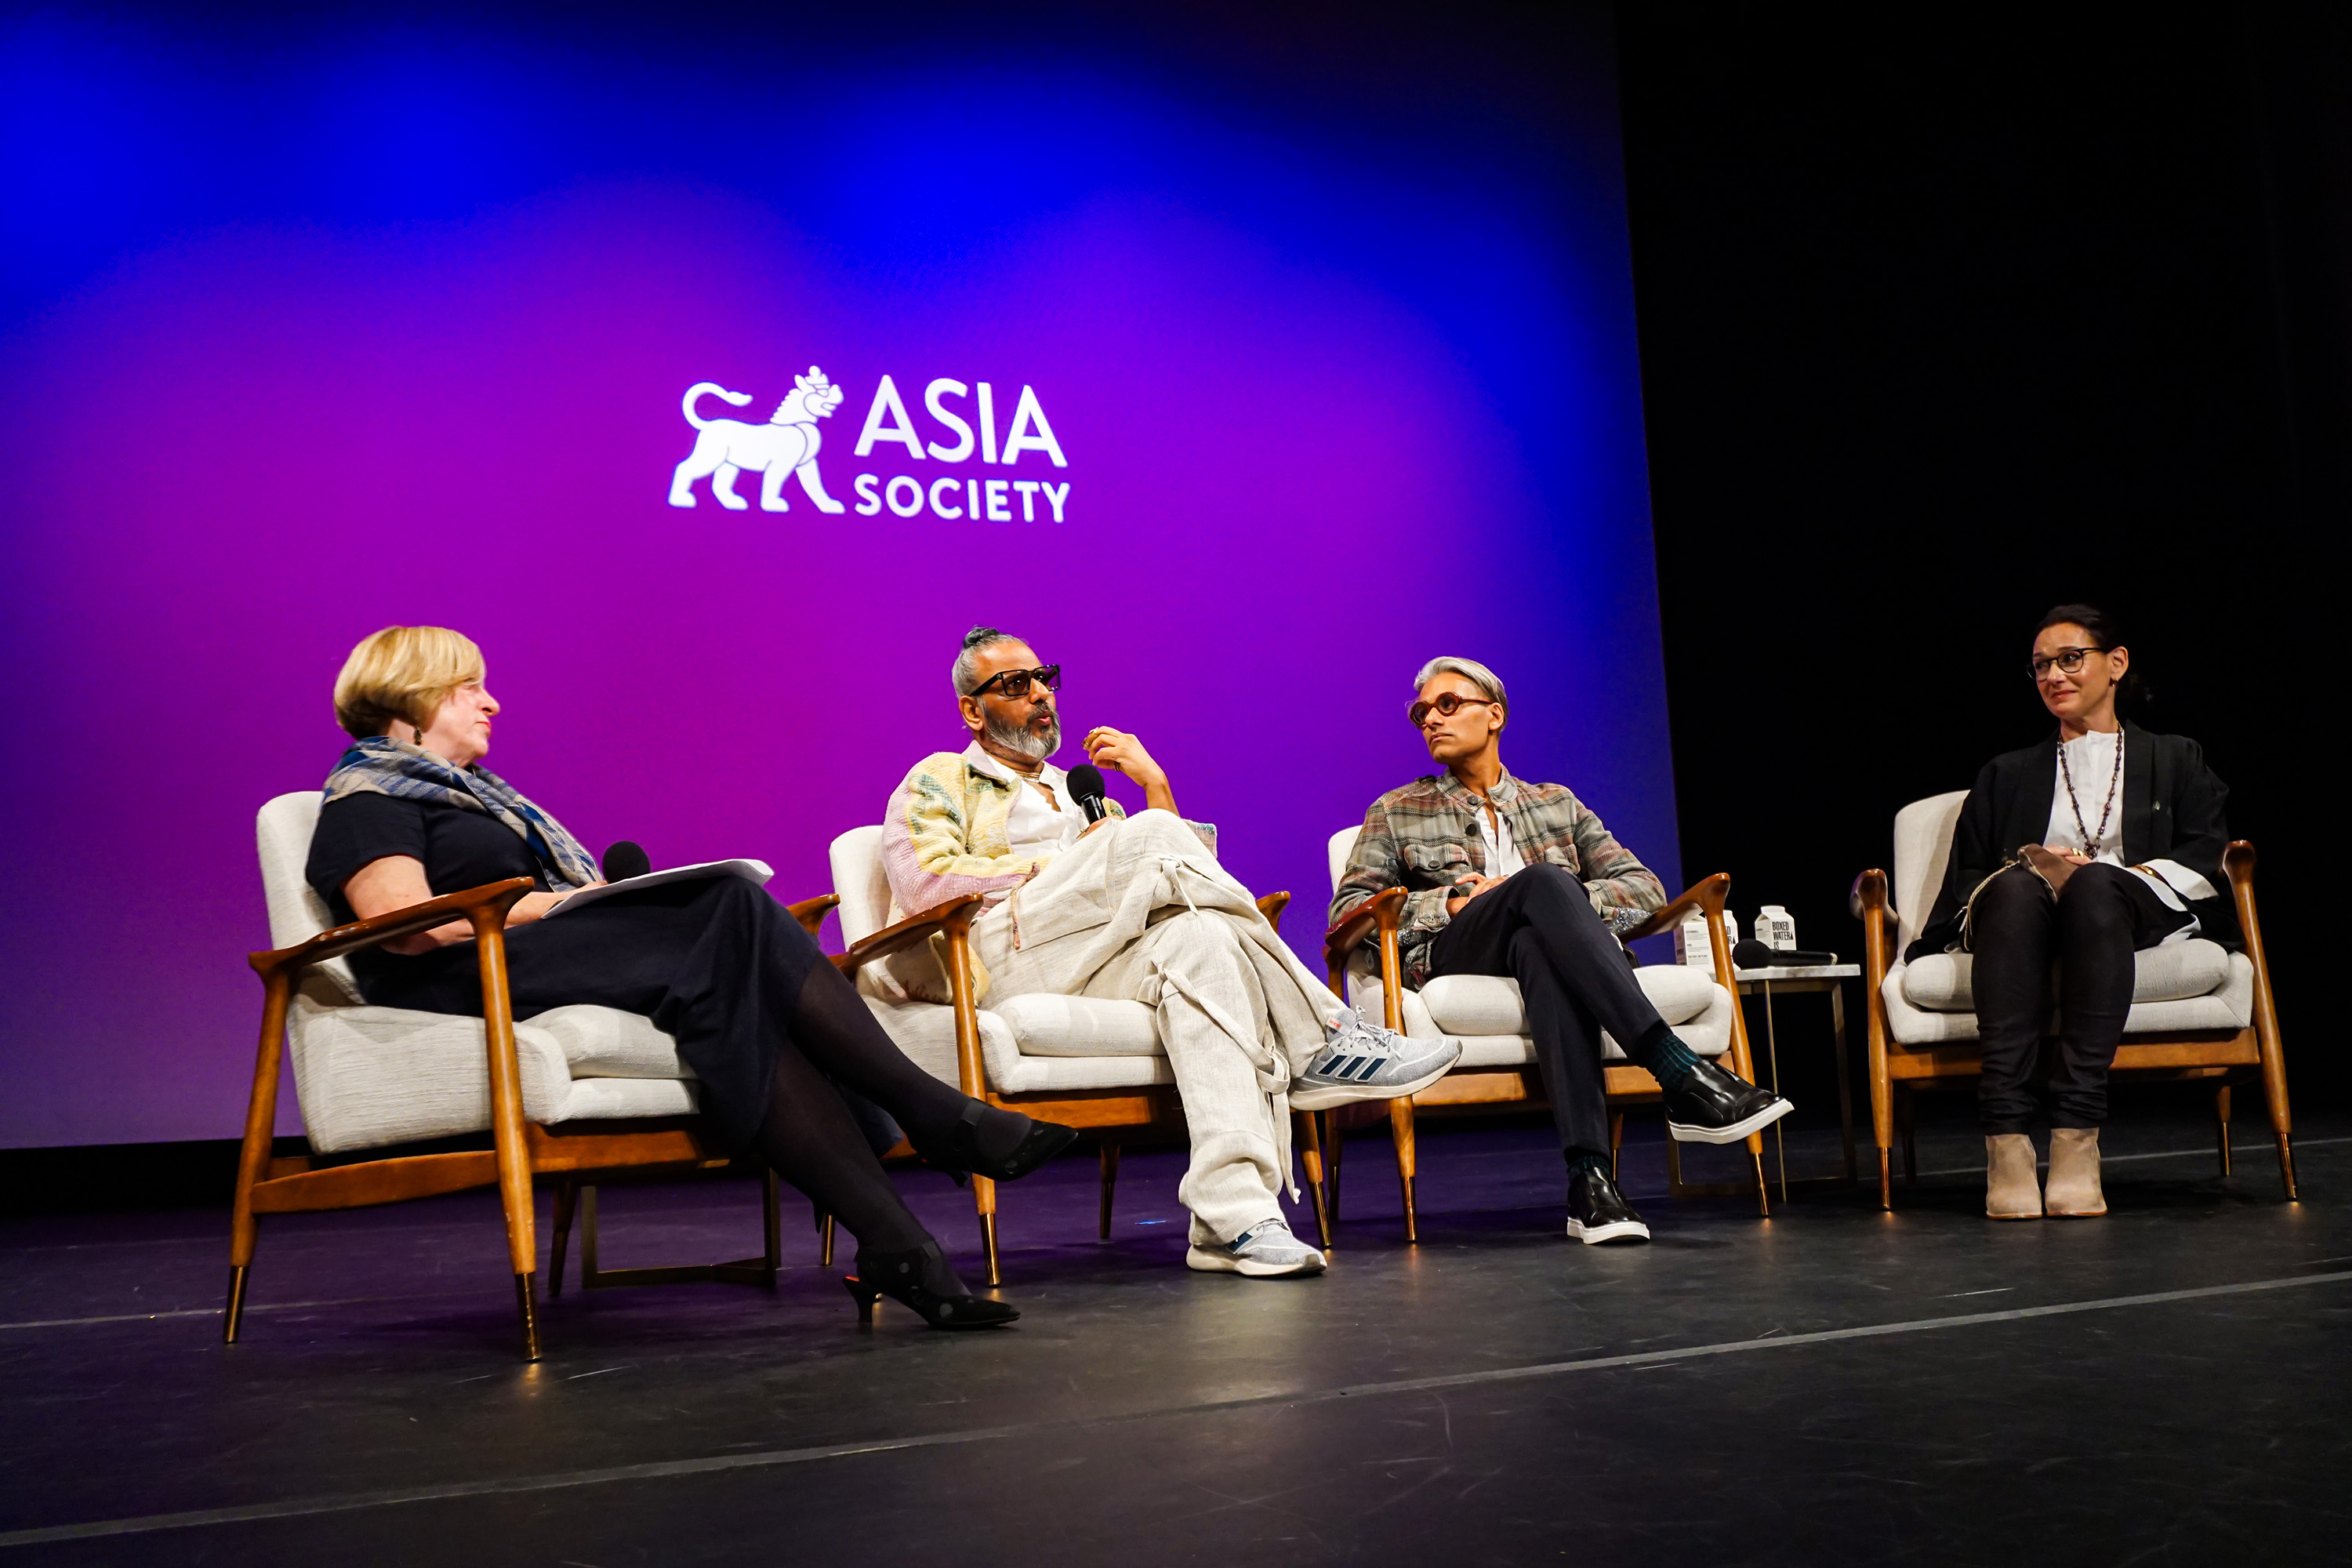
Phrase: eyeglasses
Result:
[2069,661]
[1012,684]
[1446,705]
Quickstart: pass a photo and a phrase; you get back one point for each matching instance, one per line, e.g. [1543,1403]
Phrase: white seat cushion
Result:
[1942,982]
[926,1032]
[604,1042]
[1048,1025]
[371,1075]
[2229,1007]
[1672,989]
[1490,1005]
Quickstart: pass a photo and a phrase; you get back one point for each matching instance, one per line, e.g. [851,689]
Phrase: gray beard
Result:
[1017,739]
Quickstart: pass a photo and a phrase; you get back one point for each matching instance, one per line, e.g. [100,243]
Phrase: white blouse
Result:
[2090,759]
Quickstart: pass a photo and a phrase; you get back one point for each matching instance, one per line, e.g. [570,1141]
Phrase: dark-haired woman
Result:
[768,1025]
[2100,841]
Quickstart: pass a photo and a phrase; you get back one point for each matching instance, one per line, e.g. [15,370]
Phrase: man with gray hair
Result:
[1521,880]
[1138,909]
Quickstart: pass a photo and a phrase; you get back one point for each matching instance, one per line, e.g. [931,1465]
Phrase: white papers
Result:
[755,872]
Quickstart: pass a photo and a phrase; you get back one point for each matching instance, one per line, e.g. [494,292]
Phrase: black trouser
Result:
[1540,929]
[2017,929]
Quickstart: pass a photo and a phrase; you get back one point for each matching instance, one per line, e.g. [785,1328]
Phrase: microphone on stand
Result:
[1086,789]
[627,859]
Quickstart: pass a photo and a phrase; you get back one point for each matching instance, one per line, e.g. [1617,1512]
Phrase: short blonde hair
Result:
[404,673]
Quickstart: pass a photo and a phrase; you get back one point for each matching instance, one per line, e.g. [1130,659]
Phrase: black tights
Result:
[810,1137]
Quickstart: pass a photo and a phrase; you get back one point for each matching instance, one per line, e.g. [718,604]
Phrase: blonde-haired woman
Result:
[768,1025]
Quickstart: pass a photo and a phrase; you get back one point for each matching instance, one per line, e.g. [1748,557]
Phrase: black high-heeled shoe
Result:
[899,1276]
[959,1157]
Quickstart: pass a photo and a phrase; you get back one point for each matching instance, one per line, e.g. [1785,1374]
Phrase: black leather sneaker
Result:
[1712,1106]
[1598,1212]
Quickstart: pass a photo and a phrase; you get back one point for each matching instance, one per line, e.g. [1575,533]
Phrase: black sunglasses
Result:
[1013,684]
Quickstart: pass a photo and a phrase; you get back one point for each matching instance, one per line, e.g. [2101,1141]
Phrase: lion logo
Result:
[787,444]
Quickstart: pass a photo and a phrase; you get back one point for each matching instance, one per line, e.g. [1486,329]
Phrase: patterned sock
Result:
[1579,1160]
[1668,1060]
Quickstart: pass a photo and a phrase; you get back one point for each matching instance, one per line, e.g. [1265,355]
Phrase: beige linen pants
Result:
[1141,912]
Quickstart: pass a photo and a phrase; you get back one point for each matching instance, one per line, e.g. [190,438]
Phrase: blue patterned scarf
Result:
[382,765]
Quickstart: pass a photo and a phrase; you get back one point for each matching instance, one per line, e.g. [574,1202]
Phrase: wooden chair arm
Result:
[474,904]
[915,928]
[1868,901]
[2238,861]
[1380,912]
[1707,894]
[811,912]
[1271,907]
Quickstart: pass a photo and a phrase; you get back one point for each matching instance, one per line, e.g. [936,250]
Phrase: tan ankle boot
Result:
[2011,1190]
[2074,1191]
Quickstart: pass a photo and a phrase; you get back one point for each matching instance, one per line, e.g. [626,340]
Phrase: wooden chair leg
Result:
[252,1156]
[1400,1135]
[1763,1193]
[1904,1115]
[1616,1140]
[825,1237]
[772,1225]
[567,1193]
[1335,1143]
[1109,1183]
[1310,1127]
[2286,1165]
[984,1199]
[2222,1125]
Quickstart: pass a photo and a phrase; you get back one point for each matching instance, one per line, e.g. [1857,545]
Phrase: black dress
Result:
[715,963]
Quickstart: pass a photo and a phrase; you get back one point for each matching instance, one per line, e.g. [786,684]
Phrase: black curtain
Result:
[1942,325]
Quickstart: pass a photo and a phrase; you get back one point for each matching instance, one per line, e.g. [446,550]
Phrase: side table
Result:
[1829,977]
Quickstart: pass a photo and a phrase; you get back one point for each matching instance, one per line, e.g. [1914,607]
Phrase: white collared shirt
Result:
[1033,827]
[2090,759]
[1494,828]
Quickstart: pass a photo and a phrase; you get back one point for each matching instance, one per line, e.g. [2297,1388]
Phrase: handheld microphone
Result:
[1749,954]
[627,859]
[1086,789]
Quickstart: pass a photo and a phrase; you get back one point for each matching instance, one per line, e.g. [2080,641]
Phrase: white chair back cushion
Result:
[282,832]
[1342,844]
[859,879]
[1923,848]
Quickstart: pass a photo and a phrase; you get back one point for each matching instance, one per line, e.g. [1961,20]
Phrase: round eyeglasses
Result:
[1013,684]
[2069,661]
[1445,706]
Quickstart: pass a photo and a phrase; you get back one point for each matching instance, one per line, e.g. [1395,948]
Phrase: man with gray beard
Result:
[1136,909]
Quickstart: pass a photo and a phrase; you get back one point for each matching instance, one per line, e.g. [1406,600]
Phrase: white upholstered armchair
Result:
[2199,1012]
[1084,1061]
[571,1092]
[1486,1015]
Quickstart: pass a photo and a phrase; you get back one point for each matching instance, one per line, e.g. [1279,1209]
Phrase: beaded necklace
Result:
[2091,840]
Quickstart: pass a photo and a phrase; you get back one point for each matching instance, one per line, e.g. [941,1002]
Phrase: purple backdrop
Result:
[1326,410]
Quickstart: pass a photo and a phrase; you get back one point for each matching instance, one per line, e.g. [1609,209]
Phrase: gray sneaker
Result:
[1365,1061]
[1265,1251]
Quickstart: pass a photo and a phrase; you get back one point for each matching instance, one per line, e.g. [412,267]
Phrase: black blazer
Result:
[2172,811]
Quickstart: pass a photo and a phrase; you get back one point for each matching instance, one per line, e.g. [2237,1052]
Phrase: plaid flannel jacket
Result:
[1425,836]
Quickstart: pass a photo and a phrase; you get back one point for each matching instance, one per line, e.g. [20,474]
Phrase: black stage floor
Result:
[1838,1386]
